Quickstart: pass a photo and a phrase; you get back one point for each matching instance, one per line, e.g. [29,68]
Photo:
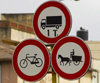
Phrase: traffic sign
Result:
[52,21]
[71,58]
[31,60]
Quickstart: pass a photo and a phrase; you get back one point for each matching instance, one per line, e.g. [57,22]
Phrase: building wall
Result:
[61,80]
[4,30]
[0,16]
[7,73]
[86,78]
[20,35]
[19,80]
[15,31]
[95,49]
[5,33]
[20,18]
[46,79]
[16,26]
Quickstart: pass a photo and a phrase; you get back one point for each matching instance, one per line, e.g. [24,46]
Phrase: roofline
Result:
[92,42]
[14,13]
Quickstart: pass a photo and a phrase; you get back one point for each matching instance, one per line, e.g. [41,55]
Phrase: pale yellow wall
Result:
[20,35]
[46,79]
[61,80]
[19,80]
[95,65]
[95,62]
[86,78]
[28,82]
[95,49]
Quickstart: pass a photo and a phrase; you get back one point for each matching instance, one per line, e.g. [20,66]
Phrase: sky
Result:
[85,13]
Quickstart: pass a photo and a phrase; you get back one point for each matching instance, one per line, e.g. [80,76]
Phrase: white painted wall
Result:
[61,80]
[94,77]
[46,79]
[19,80]
[95,64]
[20,35]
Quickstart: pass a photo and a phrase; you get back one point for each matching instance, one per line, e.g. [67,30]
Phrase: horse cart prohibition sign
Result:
[70,57]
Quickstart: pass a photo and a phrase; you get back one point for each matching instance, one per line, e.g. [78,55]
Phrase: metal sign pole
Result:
[54,79]
[54,76]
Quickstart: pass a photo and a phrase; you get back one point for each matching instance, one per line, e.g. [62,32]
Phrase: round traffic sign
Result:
[52,21]
[71,58]
[31,60]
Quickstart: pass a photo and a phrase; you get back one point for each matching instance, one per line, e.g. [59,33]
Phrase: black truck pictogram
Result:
[51,21]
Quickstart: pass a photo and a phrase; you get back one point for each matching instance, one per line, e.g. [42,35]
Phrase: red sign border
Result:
[46,63]
[87,58]
[68,18]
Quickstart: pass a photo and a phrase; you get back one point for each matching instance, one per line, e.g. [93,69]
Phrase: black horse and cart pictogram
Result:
[73,58]
[37,61]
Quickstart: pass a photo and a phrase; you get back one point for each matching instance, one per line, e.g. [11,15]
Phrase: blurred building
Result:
[16,27]
[23,18]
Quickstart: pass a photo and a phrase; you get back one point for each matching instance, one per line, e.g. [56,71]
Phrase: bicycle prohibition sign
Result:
[31,60]
[36,61]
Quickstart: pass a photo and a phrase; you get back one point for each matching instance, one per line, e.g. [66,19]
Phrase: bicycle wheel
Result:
[23,63]
[39,62]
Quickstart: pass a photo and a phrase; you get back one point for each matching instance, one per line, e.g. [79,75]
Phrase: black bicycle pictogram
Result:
[36,61]
[73,58]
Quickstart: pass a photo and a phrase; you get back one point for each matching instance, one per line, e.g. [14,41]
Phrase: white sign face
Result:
[30,60]
[51,22]
[70,58]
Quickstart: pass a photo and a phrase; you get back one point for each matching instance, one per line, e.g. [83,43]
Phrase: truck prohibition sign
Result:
[51,21]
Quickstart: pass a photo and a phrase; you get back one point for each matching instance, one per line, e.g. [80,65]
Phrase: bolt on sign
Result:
[52,21]
[71,58]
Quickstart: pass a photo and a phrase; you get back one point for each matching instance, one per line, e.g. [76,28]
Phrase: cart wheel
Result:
[76,63]
[57,26]
[43,27]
